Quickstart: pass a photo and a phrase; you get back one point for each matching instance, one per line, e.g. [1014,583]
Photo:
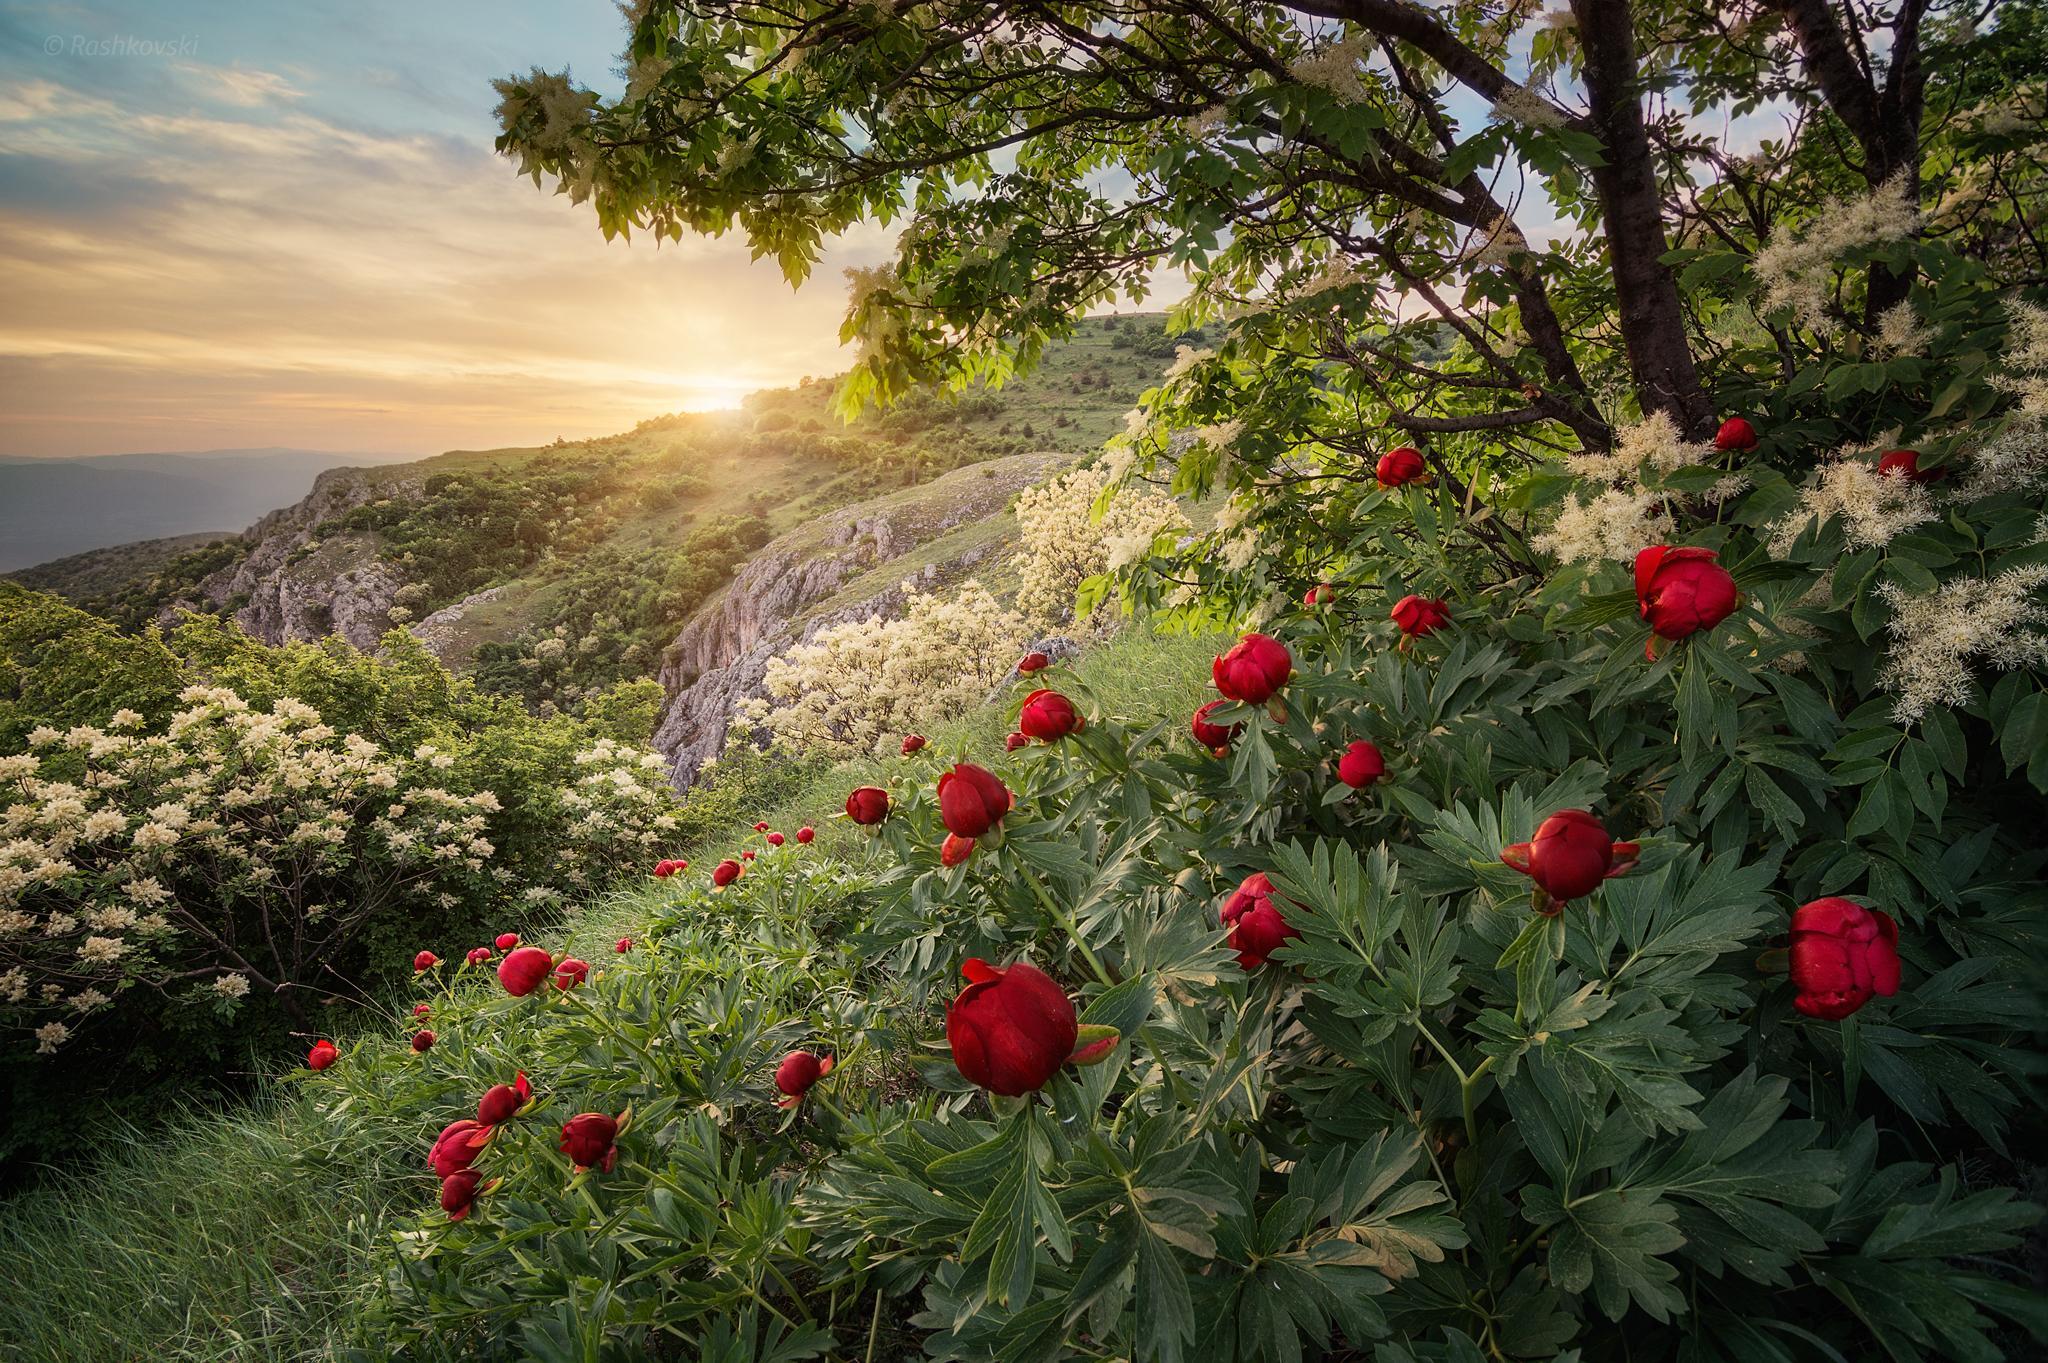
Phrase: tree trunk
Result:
[1652,318]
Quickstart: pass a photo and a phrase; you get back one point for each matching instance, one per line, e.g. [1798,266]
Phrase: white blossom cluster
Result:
[1872,507]
[1795,271]
[1941,633]
[1062,540]
[1335,70]
[860,686]
[1628,511]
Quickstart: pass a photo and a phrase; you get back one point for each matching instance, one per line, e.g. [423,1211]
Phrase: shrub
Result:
[1076,527]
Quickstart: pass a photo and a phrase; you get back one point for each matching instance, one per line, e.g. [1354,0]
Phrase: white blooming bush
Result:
[1077,526]
[159,882]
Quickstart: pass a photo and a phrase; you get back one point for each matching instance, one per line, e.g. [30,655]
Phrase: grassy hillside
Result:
[241,1234]
[103,572]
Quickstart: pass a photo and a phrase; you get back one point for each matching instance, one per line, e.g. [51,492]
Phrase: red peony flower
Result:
[522,971]
[797,1072]
[806,833]
[761,827]
[868,805]
[955,850]
[669,866]
[458,1193]
[1217,738]
[426,960]
[323,1054]
[1255,667]
[1319,595]
[747,854]
[725,873]
[1735,435]
[420,1010]
[1400,466]
[590,1140]
[571,972]
[1257,927]
[423,1041]
[1361,765]
[1569,856]
[1842,954]
[1682,590]
[1906,464]
[1049,717]
[775,840]
[478,955]
[507,940]
[457,1147]
[911,743]
[1420,615]
[1011,1028]
[625,944]
[1015,741]
[502,1101]
[972,800]
[1033,662]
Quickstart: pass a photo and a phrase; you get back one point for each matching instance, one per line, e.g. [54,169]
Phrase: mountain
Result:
[50,508]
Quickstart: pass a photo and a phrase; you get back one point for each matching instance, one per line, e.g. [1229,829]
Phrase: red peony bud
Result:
[725,873]
[458,1193]
[1401,466]
[1735,435]
[972,800]
[1217,738]
[1319,595]
[423,1041]
[522,971]
[625,944]
[775,840]
[1049,717]
[457,1147]
[323,1054]
[747,854]
[1011,1028]
[1015,741]
[426,960]
[571,972]
[1683,590]
[1257,927]
[1570,855]
[1842,954]
[590,1140]
[955,850]
[669,866]
[761,827]
[478,955]
[420,1010]
[797,1072]
[1361,765]
[1033,662]
[507,940]
[911,743]
[502,1101]
[1906,464]
[1420,615]
[868,805]
[1255,667]
[806,833]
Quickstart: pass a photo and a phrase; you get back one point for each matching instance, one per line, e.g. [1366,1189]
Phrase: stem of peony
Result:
[1067,924]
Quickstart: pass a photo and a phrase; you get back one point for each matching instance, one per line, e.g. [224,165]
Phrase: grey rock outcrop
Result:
[438,631]
[824,574]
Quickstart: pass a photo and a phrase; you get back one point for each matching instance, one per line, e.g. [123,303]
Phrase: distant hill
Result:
[97,572]
[51,508]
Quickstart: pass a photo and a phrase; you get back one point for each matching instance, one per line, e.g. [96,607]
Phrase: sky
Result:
[227,224]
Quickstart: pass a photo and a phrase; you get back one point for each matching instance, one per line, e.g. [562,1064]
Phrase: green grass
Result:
[232,1235]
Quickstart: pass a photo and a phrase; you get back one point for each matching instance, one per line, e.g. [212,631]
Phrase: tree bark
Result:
[1652,317]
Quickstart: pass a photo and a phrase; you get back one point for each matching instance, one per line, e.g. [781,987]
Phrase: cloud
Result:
[237,266]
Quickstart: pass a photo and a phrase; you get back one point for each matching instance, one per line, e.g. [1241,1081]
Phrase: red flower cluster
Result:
[507,940]
[1420,615]
[796,1074]
[669,866]
[725,873]
[972,800]
[477,955]
[1398,467]
[1569,857]
[1049,717]
[1217,738]
[1012,1028]
[1682,590]
[1256,925]
[1361,764]
[1842,955]
[1256,667]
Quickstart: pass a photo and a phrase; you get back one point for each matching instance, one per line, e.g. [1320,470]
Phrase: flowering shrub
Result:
[156,886]
[1077,526]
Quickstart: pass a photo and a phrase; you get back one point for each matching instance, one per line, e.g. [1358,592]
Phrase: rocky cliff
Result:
[845,566]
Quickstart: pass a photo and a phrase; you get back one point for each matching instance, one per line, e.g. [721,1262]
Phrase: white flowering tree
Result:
[1077,527]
